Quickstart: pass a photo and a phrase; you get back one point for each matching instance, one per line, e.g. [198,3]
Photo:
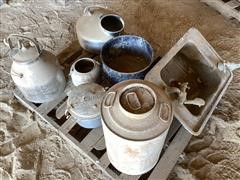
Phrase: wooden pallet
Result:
[228,8]
[91,141]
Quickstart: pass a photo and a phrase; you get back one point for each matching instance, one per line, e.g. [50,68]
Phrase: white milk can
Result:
[36,72]
[136,116]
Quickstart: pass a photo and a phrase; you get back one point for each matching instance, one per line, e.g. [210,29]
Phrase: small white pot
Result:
[84,70]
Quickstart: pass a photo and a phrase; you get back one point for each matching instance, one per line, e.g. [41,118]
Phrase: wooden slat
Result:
[67,125]
[47,107]
[91,139]
[223,8]
[112,174]
[61,110]
[170,156]
[104,161]
[127,177]
[233,3]
[100,145]
[172,130]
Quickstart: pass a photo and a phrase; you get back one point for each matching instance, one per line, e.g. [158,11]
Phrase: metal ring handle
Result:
[9,42]
[86,9]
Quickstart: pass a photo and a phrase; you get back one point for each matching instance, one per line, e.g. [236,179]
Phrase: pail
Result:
[126,57]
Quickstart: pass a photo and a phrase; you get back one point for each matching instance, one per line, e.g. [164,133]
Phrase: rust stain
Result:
[131,152]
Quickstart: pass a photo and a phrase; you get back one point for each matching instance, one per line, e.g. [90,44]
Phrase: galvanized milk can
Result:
[136,116]
[36,72]
[84,103]
[96,26]
[85,70]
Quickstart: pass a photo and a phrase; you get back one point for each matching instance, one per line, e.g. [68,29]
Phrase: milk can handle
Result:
[86,9]
[9,42]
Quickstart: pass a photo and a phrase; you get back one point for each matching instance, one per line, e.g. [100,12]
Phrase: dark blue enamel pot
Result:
[136,48]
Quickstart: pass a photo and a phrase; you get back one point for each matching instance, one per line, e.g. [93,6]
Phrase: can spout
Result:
[228,65]
[197,102]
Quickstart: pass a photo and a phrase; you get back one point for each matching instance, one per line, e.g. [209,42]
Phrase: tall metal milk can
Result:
[136,116]
[36,72]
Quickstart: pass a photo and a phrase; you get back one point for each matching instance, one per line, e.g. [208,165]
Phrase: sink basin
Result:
[192,60]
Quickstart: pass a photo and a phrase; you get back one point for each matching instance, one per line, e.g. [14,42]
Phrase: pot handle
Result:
[8,41]
[67,114]
[164,111]
[86,11]
[109,99]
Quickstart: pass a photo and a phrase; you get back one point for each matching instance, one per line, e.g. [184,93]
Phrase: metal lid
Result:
[136,110]
[84,101]
[24,54]
[27,51]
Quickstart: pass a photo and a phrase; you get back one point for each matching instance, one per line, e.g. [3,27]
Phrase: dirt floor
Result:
[31,149]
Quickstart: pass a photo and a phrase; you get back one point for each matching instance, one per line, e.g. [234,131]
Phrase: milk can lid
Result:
[136,110]
[24,54]
[84,101]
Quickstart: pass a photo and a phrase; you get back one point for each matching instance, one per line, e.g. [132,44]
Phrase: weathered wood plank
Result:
[100,145]
[60,111]
[170,156]
[47,107]
[67,125]
[173,129]
[233,3]
[91,139]
[104,161]
[223,8]
[127,177]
